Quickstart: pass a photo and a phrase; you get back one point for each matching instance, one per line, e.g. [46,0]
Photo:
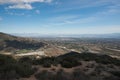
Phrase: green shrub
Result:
[116,73]
[78,75]
[70,62]
[25,60]
[12,69]
[46,64]
[46,61]
[24,70]
[45,75]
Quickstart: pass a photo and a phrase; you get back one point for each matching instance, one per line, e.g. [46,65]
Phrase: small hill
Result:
[11,43]
[78,66]
[4,36]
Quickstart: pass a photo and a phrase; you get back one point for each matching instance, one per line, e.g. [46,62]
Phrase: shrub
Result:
[46,64]
[116,73]
[25,60]
[24,70]
[46,61]
[70,62]
[78,75]
[11,69]
[45,75]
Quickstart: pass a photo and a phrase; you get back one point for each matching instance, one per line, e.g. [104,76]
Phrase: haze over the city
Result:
[60,16]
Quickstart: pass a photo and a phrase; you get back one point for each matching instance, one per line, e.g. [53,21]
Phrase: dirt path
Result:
[37,53]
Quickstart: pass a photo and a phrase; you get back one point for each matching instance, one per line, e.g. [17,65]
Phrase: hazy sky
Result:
[60,16]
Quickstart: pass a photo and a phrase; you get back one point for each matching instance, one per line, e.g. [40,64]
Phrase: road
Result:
[37,53]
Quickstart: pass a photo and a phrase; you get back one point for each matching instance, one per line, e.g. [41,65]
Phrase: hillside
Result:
[70,66]
[4,36]
[10,43]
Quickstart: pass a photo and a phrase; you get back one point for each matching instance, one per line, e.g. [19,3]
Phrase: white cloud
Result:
[21,1]
[72,20]
[22,4]
[16,14]
[37,11]
[81,4]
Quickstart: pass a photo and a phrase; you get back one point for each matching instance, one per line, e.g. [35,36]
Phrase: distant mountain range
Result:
[112,35]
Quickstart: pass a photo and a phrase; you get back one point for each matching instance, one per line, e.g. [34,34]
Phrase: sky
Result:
[60,16]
